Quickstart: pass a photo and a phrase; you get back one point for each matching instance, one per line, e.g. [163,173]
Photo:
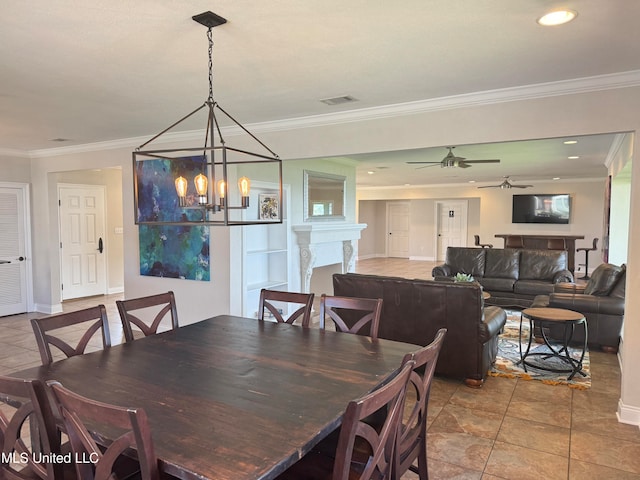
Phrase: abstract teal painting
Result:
[174,252]
[168,250]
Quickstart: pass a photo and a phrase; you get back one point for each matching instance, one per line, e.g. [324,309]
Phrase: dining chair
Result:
[147,317]
[389,400]
[130,426]
[477,243]
[556,244]
[26,412]
[412,435]
[271,299]
[356,312]
[97,319]
[514,241]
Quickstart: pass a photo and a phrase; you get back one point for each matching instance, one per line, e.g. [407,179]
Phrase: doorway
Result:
[398,222]
[451,226]
[16,283]
[82,236]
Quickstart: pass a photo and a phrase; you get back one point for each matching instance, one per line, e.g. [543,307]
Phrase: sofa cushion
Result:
[603,279]
[466,260]
[502,263]
[541,264]
[533,287]
[497,284]
[620,286]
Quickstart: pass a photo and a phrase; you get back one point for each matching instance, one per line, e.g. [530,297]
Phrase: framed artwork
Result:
[175,252]
[156,199]
[269,206]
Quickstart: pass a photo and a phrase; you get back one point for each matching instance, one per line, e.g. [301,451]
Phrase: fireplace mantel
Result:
[326,244]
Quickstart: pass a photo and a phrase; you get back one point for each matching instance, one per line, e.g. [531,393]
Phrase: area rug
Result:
[509,354]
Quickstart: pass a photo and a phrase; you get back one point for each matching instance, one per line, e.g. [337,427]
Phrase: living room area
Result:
[411,93]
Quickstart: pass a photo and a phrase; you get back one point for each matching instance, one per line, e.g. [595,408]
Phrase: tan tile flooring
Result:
[509,429]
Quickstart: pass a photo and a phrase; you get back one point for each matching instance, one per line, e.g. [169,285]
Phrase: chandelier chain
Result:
[210,37]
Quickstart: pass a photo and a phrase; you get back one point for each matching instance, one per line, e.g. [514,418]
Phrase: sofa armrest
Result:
[493,320]
[567,287]
[563,276]
[587,303]
[443,270]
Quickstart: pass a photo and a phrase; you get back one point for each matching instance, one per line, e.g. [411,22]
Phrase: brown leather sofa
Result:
[513,276]
[414,310]
[601,301]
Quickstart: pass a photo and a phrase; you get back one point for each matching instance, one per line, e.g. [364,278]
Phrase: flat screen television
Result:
[541,208]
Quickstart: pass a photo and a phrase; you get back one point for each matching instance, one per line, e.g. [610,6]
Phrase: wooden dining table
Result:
[231,397]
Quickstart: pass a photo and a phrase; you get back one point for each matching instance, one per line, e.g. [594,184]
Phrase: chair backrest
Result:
[477,240]
[412,435]
[594,247]
[388,399]
[95,317]
[268,297]
[367,311]
[130,425]
[556,244]
[147,308]
[26,405]
[514,241]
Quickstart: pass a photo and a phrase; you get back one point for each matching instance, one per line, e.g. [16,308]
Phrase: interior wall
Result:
[489,213]
[588,112]
[15,169]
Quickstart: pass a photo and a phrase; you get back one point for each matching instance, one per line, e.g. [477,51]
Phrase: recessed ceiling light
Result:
[339,100]
[557,17]
[472,181]
[371,172]
[59,140]
[556,178]
[570,142]
[573,157]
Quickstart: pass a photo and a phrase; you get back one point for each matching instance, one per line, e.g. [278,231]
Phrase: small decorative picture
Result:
[269,206]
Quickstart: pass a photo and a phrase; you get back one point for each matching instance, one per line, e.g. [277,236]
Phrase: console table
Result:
[540,242]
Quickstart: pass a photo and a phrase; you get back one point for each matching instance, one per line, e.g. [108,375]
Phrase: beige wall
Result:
[15,169]
[614,110]
[489,213]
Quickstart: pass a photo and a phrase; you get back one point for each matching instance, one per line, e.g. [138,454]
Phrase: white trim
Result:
[114,290]
[371,255]
[422,259]
[525,92]
[628,414]
[8,152]
[618,141]
[48,308]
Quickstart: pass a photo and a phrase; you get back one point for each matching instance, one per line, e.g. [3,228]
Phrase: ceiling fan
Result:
[451,161]
[506,184]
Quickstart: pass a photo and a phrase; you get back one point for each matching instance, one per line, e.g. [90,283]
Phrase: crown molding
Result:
[7,152]
[511,94]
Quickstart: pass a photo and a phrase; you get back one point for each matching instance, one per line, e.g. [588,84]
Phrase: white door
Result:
[398,230]
[82,234]
[452,226]
[15,277]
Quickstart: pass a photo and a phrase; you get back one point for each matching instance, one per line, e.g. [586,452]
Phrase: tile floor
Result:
[509,429]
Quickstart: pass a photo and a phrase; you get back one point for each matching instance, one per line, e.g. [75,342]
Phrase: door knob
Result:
[100,245]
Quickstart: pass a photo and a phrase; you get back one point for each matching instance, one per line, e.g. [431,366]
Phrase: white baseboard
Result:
[111,291]
[423,259]
[48,309]
[628,414]
[371,255]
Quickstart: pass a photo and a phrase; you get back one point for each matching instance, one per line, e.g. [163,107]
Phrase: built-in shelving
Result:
[265,252]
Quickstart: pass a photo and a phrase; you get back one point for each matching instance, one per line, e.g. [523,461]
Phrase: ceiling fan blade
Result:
[463,164]
[521,186]
[434,163]
[427,166]
[491,186]
[483,161]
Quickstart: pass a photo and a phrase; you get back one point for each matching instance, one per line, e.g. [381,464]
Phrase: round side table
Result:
[554,316]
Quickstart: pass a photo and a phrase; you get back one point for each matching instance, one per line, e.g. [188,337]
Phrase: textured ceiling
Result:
[104,70]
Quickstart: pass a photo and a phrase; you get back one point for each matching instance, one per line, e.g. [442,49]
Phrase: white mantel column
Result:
[326,244]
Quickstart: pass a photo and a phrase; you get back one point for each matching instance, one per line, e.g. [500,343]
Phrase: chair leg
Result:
[586,266]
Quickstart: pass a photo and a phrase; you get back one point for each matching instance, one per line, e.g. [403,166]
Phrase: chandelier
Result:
[196,185]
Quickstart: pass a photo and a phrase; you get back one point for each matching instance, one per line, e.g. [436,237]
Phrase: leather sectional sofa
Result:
[414,310]
[601,301]
[513,276]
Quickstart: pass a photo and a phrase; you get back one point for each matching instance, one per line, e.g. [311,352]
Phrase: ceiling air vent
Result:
[339,100]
